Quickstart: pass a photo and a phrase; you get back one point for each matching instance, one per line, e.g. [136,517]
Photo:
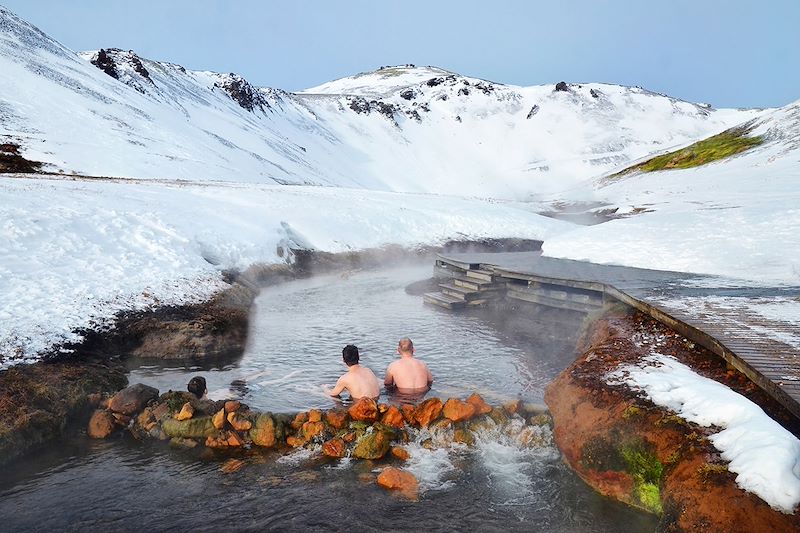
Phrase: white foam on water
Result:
[299,455]
[432,468]
[510,455]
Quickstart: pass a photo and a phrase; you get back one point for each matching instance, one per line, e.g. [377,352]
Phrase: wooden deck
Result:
[718,313]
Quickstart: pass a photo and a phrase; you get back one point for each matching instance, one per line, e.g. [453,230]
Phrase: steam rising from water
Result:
[299,328]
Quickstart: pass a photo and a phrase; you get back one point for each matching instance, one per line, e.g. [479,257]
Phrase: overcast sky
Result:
[727,53]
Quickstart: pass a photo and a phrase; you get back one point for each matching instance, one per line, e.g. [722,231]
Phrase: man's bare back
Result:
[408,373]
[359,380]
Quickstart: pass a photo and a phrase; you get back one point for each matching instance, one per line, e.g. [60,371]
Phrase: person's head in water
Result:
[197,386]
[405,346]
[350,355]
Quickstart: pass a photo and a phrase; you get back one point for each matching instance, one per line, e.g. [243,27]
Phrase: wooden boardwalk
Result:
[738,323]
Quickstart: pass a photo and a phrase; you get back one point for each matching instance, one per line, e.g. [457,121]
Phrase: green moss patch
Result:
[729,142]
[647,472]
[635,457]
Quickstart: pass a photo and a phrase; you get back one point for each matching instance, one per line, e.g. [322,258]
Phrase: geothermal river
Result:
[298,331]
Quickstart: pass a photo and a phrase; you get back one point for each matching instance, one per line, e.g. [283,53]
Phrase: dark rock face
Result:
[361,105]
[433,82]
[132,399]
[114,62]
[216,329]
[106,64]
[408,94]
[12,161]
[241,92]
[533,111]
[562,86]
[594,93]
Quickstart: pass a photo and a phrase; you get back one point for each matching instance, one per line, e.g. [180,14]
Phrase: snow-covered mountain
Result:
[385,157]
[407,129]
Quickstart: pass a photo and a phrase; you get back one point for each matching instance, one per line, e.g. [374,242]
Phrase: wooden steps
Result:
[443,300]
[463,285]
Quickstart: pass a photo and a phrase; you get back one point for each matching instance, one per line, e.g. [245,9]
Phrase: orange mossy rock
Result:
[349,437]
[456,410]
[408,413]
[263,431]
[334,448]
[226,439]
[393,417]
[441,423]
[336,418]
[232,406]
[464,436]
[400,453]
[428,411]
[395,479]
[513,407]
[299,420]
[314,415]
[121,420]
[481,407]
[101,425]
[294,442]
[372,445]
[312,429]
[238,422]
[365,410]
[218,420]
[186,412]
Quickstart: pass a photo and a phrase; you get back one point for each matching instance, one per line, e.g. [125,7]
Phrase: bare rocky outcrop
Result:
[12,160]
[242,92]
[626,448]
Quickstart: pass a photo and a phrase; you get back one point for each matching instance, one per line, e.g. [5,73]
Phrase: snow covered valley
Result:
[129,185]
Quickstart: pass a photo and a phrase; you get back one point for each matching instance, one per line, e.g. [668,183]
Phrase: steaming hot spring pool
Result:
[298,330]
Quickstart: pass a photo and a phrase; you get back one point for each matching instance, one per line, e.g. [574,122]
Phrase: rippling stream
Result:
[298,331]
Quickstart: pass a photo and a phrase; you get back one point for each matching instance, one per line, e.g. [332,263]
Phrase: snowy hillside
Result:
[738,217]
[405,129]
[205,160]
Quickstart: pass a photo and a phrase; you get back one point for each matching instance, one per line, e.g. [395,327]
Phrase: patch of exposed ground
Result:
[11,160]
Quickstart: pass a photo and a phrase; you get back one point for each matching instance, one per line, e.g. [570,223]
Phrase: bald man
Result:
[408,374]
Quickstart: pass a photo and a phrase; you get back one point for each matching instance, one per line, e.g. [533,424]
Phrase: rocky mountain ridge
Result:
[405,129]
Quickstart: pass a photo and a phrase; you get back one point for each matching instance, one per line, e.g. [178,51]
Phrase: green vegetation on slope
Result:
[725,144]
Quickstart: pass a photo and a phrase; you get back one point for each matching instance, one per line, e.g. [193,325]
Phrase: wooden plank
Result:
[456,263]
[442,300]
[589,285]
[485,275]
[533,297]
[475,284]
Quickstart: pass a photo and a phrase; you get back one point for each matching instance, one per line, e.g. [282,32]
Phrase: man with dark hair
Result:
[197,386]
[359,380]
[408,375]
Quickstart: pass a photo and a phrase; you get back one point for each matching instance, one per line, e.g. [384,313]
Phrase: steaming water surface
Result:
[298,331]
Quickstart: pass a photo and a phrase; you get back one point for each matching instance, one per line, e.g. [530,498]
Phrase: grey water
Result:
[297,332]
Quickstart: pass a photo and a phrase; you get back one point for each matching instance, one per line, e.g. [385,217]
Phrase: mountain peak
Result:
[381,81]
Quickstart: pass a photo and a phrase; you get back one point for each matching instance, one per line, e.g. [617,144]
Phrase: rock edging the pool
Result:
[633,451]
[366,430]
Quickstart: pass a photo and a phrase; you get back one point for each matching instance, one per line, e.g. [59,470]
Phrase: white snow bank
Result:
[754,243]
[74,253]
[765,456]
